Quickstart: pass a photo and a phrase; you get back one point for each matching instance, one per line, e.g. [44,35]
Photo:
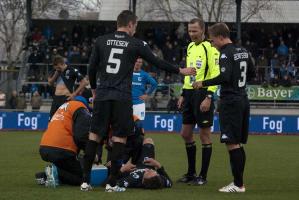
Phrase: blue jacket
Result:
[140,83]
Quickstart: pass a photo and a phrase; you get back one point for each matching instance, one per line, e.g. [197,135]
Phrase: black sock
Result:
[205,159]
[90,153]
[237,162]
[116,162]
[243,160]
[191,155]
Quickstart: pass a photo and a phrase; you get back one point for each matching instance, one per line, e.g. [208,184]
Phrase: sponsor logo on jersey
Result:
[198,63]
[223,55]
[224,137]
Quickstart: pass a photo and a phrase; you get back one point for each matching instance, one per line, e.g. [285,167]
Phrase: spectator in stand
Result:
[291,70]
[54,53]
[21,101]
[36,101]
[274,81]
[292,57]
[2,99]
[74,55]
[282,50]
[274,66]
[167,80]
[262,64]
[283,70]
[286,82]
[34,59]
[12,103]
[52,41]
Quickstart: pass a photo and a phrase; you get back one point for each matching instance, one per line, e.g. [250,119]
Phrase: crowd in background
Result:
[276,52]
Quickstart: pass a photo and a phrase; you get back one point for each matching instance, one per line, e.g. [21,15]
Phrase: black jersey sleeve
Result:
[251,72]
[146,53]
[225,63]
[167,181]
[81,122]
[93,64]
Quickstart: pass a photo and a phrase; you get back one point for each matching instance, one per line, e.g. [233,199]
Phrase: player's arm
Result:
[82,83]
[81,122]
[167,181]
[93,64]
[225,71]
[146,53]
[52,78]
[152,82]
[251,71]
[213,68]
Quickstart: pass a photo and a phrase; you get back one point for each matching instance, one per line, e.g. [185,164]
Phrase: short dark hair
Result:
[58,60]
[154,182]
[219,29]
[125,17]
[200,22]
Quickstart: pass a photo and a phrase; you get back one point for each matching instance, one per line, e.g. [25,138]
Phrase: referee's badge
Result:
[198,63]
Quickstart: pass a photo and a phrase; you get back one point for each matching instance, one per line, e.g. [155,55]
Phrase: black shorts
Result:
[56,103]
[111,113]
[191,109]
[148,151]
[234,120]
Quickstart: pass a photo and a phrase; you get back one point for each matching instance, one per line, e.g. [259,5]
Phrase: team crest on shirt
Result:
[198,63]
[67,74]
[223,56]
[222,69]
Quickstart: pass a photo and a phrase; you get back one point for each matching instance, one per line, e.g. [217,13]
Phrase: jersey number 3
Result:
[243,70]
[114,61]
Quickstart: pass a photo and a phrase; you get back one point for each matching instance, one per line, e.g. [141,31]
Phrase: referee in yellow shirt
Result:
[198,106]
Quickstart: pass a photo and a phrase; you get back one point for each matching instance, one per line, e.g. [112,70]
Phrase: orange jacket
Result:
[60,129]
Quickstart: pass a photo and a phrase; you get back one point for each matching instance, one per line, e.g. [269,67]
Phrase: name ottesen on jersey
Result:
[118,43]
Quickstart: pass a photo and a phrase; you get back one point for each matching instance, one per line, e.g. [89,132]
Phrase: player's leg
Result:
[56,103]
[231,122]
[187,135]
[122,126]
[205,121]
[139,111]
[99,128]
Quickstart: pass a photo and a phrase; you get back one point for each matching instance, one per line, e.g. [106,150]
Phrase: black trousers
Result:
[68,166]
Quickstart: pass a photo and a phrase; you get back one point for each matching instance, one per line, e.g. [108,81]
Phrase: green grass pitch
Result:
[272,170]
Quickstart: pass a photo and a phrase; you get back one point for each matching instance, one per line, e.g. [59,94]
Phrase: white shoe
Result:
[85,187]
[232,188]
[52,176]
[116,188]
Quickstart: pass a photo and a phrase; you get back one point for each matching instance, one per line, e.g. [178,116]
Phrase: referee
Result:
[198,107]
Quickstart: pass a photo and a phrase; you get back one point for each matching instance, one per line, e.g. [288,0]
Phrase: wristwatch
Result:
[209,96]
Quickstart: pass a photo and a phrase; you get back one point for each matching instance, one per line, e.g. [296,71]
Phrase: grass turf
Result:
[271,170]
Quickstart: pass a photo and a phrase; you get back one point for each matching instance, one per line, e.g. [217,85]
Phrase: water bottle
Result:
[192,77]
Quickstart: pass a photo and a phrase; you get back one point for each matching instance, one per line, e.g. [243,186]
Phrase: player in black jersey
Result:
[64,78]
[113,58]
[236,68]
[148,173]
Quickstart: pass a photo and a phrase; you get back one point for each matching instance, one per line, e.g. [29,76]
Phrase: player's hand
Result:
[205,105]
[180,102]
[197,85]
[143,97]
[71,97]
[93,91]
[128,167]
[152,162]
[188,71]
